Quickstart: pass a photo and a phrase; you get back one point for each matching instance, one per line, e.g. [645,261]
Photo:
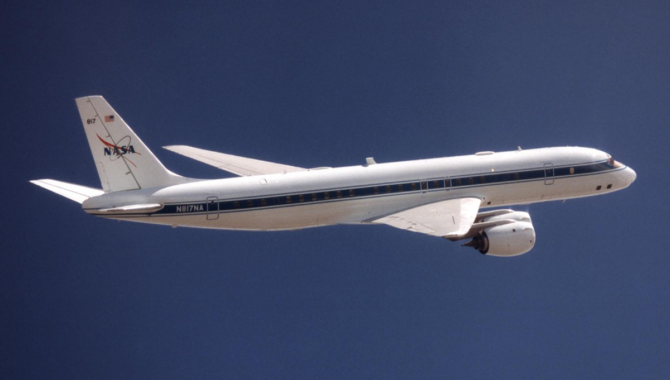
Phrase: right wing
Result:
[451,219]
[234,164]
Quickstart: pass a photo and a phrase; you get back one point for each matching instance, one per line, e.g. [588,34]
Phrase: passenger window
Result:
[471,181]
[599,187]
[482,179]
[458,182]
[376,190]
[301,198]
[326,195]
[236,204]
[288,200]
[263,202]
[572,170]
[250,203]
[339,194]
[351,193]
[424,185]
[388,189]
[400,188]
[413,185]
[516,176]
[609,186]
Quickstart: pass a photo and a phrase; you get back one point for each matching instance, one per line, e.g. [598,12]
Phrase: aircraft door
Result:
[548,174]
[212,208]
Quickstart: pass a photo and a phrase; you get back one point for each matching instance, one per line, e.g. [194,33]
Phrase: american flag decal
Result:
[109,119]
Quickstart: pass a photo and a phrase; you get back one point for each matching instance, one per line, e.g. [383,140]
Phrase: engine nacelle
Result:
[519,216]
[507,240]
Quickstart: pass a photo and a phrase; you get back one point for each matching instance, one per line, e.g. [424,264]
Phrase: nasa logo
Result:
[117,150]
[120,150]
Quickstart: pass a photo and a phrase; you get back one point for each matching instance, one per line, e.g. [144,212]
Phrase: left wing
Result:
[450,219]
[234,164]
[71,191]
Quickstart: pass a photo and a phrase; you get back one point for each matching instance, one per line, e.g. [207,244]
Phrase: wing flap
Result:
[71,191]
[451,218]
[241,166]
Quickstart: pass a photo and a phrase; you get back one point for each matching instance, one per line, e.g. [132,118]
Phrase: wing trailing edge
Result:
[450,219]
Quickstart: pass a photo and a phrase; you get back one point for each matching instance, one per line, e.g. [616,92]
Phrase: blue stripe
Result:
[378,191]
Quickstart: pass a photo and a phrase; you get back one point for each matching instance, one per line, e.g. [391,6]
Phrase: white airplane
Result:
[439,197]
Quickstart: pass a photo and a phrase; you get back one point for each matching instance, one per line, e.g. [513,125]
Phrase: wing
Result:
[449,219]
[235,164]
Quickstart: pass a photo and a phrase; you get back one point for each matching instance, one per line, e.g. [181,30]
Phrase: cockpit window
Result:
[613,163]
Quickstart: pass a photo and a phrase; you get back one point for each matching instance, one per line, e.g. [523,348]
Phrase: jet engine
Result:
[513,238]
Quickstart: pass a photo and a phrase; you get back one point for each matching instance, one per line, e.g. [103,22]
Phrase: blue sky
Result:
[328,84]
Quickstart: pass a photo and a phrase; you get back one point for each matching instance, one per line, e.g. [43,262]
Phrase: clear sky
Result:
[328,84]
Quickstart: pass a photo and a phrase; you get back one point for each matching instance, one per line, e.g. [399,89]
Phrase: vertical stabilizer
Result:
[122,159]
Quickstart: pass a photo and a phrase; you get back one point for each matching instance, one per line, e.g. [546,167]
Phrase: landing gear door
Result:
[212,208]
[548,174]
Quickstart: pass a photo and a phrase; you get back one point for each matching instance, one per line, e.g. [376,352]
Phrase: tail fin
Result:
[122,159]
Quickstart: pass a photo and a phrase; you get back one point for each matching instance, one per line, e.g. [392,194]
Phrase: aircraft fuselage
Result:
[360,194]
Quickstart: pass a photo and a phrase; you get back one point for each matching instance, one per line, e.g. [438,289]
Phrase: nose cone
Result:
[630,175]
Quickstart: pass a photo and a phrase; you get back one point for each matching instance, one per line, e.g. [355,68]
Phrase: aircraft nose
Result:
[630,175]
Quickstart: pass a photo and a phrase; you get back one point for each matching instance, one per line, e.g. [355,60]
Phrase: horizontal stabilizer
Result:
[71,191]
[234,164]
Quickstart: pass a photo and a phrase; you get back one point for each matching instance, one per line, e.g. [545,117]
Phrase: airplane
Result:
[441,197]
